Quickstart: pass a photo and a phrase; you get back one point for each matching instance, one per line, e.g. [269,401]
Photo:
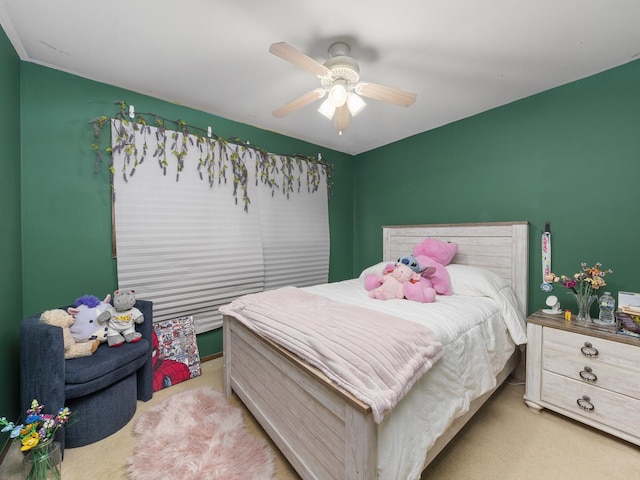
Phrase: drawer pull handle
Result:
[588,376]
[589,350]
[585,403]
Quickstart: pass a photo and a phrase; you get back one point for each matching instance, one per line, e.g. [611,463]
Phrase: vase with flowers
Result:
[582,286]
[43,459]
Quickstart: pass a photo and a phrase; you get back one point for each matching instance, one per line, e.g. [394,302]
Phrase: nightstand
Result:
[586,372]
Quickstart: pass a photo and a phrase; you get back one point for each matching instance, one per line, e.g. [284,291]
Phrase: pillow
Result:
[478,282]
[474,281]
[375,269]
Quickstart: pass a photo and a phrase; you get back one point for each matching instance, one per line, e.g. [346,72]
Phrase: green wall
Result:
[10,241]
[570,156]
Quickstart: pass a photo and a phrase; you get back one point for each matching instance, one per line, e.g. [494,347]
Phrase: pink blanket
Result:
[374,356]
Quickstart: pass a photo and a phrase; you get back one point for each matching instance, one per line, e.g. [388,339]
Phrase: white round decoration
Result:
[552,301]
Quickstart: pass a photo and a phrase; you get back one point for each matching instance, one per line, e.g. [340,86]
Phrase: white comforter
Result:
[478,327]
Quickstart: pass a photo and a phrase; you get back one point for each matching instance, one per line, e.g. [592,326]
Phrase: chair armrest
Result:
[146,327]
[145,373]
[42,367]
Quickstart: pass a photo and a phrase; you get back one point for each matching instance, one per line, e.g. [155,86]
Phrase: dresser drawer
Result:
[593,372]
[592,348]
[609,408]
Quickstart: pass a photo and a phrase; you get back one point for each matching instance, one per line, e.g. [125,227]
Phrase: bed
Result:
[324,431]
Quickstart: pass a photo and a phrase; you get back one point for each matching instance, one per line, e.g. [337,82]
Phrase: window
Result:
[188,247]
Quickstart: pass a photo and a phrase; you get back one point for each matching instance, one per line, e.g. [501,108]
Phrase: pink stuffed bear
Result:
[435,254]
[372,280]
[402,280]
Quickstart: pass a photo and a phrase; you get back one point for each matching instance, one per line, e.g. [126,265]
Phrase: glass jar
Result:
[43,462]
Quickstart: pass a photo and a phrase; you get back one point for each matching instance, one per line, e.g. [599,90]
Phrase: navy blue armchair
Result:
[102,389]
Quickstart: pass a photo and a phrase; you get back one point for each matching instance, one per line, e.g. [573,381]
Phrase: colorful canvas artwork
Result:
[175,352]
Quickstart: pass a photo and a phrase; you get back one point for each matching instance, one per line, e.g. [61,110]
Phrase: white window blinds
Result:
[295,235]
[188,247]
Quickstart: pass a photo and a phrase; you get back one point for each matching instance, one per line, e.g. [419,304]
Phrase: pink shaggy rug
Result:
[197,435]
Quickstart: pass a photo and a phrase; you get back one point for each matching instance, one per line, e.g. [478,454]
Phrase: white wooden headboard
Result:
[502,247]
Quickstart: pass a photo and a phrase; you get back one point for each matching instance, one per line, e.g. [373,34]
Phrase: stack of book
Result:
[629,320]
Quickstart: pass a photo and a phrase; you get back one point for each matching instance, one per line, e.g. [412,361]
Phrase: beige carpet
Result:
[505,440]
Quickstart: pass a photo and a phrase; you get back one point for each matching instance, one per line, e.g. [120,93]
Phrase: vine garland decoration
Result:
[278,172]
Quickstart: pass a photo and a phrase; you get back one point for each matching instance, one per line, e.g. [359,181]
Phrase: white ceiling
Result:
[461,57]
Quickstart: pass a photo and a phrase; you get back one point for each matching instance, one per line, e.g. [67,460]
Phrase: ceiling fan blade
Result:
[341,118]
[297,58]
[302,101]
[386,94]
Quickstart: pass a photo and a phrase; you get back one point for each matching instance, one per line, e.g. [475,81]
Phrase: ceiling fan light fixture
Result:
[355,104]
[338,93]
[339,82]
[327,108]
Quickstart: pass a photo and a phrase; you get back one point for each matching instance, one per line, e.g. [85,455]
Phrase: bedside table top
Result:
[558,322]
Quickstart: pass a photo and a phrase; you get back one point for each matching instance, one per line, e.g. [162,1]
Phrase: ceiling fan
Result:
[339,82]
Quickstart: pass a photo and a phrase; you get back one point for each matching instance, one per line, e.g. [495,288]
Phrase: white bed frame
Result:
[322,430]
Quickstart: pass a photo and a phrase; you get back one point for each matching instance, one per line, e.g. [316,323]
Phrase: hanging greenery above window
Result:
[216,155]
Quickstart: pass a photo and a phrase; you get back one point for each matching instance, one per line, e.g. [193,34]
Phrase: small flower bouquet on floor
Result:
[43,459]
